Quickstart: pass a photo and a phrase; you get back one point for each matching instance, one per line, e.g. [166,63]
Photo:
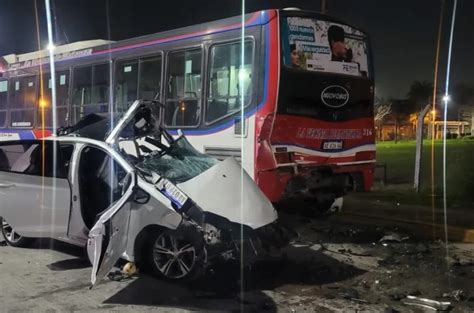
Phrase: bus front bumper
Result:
[324,182]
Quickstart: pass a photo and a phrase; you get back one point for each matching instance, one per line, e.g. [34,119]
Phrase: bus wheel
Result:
[13,238]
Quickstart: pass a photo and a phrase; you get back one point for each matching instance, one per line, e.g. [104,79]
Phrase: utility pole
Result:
[419,147]
[323,6]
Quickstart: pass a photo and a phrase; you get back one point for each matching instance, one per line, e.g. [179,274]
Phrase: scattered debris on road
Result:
[128,271]
[458,295]
[428,303]
[341,268]
[394,237]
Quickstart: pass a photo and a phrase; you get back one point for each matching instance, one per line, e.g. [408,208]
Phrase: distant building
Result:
[401,124]
[454,129]
[460,123]
[396,125]
[466,114]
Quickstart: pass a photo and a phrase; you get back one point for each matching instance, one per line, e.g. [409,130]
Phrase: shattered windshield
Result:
[179,163]
[152,149]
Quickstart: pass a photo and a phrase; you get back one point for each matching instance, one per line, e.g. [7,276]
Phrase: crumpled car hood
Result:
[226,190]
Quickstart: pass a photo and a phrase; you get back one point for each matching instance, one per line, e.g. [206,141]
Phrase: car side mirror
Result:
[140,196]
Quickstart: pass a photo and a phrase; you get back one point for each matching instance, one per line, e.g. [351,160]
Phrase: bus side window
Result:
[183,103]
[226,75]
[90,91]
[150,78]
[126,83]
[22,102]
[45,99]
[3,102]
[100,84]
[137,79]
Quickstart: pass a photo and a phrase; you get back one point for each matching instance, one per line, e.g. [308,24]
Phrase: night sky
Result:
[403,32]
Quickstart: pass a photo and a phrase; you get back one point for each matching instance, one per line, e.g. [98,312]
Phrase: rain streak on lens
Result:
[446,100]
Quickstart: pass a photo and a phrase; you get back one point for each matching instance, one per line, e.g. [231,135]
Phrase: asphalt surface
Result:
[334,266]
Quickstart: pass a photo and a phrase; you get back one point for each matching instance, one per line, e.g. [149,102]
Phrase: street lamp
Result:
[446,98]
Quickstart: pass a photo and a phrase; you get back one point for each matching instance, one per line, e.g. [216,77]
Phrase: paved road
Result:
[311,278]
[57,280]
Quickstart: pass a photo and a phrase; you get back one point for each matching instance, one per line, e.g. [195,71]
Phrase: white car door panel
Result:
[108,241]
[108,237]
[35,206]
[77,230]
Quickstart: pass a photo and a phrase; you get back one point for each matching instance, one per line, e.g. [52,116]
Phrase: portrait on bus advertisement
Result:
[324,46]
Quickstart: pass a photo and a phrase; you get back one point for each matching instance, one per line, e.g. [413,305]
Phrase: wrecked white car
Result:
[123,187]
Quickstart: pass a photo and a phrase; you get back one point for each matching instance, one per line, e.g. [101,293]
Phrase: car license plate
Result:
[332,145]
[172,192]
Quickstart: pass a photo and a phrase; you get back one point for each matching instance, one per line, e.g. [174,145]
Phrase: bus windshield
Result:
[317,45]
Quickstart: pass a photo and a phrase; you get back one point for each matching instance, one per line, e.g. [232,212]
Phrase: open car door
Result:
[108,237]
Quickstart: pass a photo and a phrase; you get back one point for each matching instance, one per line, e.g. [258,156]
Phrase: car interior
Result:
[136,139]
[4,163]
[99,183]
[36,158]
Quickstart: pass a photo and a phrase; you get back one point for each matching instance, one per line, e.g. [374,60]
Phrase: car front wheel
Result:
[177,255]
[13,238]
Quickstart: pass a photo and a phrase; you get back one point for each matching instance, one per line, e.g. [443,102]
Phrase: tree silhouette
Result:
[462,97]
[462,94]
[420,94]
[382,108]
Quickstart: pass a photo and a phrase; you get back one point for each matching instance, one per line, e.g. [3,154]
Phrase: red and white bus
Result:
[306,86]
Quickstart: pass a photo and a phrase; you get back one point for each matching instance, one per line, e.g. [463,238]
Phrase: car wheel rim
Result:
[174,258]
[10,233]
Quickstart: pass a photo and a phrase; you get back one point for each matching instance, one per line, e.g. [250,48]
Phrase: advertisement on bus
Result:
[324,46]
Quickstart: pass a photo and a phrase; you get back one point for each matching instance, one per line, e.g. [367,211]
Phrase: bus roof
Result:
[14,62]
[79,45]
[74,50]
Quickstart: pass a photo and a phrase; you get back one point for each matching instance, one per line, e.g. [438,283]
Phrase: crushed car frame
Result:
[124,188]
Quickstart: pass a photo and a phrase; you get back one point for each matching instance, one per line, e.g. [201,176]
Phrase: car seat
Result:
[4,164]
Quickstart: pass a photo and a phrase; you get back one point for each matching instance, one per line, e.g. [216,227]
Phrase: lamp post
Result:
[434,128]
[435,85]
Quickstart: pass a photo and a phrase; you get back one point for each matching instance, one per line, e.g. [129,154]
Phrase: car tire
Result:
[12,238]
[176,255]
